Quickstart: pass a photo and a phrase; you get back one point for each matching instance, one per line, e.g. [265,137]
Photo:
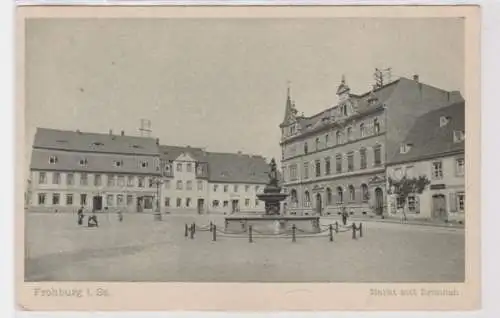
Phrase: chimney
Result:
[111,131]
[78,131]
[157,141]
[239,152]
[123,133]
[415,78]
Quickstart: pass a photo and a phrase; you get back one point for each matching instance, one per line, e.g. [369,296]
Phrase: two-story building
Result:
[70,169]
[337,158]
[434,148]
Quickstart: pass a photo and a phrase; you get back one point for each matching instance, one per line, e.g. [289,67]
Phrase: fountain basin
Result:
[272,224]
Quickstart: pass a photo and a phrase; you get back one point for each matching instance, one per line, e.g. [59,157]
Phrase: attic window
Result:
[53,160]
[83,162]
[443,121]
[137,147]
[144,164]
[118,163]
[458,135]
[405,148]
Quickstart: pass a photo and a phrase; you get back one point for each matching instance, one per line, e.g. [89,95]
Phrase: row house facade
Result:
[435,149]
[72,169]
[337,158]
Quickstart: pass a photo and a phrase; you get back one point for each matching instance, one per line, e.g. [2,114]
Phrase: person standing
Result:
[80,215]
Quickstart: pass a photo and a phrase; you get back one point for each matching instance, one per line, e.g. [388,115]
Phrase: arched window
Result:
[294,199]
[352,193]
[349,133]
[307,198]
[364,192]
[328,196]
[376,126]
[305,148]
[338,137]
[317,143]
[340,195]
[362,130]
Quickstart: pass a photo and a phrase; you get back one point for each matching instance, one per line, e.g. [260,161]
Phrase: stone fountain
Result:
[272,220]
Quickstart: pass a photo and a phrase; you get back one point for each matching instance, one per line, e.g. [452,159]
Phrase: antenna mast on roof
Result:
[145,128]
[382,76]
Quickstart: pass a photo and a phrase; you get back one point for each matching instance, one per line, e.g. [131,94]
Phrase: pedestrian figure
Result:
[404,218]
[80,215]
[344,215]
[120,215]
[92,222]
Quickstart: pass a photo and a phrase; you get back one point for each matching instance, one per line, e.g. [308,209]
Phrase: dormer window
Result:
[83,162]
[443,121]
[144,164]
[118,163]
[53,160]
[458,136]
[405,148]
[97,144]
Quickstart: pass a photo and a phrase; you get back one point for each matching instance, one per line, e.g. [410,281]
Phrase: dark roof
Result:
[46,138]
[429,139]
[240,168]
[173,152]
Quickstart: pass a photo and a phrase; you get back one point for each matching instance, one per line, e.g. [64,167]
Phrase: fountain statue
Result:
[272,195]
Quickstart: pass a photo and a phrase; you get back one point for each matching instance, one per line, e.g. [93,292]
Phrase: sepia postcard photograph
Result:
[256,158]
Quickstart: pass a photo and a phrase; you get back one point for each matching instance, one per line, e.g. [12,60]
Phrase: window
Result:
[405,148]
[226,188]
[398,173]
[349,133]
[56,178]
[338,138]
[409,172]
[318,168]
[350,161]
[109,200]
[317,143]
[305,148]
[121,181]
[189,167]
[352,193]
[215,203]
[257,188]
[461,201]
[400,202]
[362,158]
[144,164]
[42,178]
[83,179]
[83,199]
[362,130]
[56,199]
[200,185]
[306,170]
[235,187]
[412,203]
[179,167]
[216,186]
[118,163]
[293,172]
[327,166]
[189,185]
[188,202]
[340,195]
[326,140]
[458,136]
[168,168]
[119,200]
[344,110]
[167,184]
[247,188]
[130,200]
[257,202]
[41,198]
[52,159]
[97,180]
[83,162]
[225,204]
[307,199]
[140,182]
[150,182]
[130,181]
[69,199]
[376,126]
[437,170]
[111,180]
[179,185]
[247,202]
[179,202]
[364,192]
[338,163]
[443,121]
[377,156]
[460,167]
[328,196]
[199,170]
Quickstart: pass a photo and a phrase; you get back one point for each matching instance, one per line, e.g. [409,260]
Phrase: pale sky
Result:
[220,83]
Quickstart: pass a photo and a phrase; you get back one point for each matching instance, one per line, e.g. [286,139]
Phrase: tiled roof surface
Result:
[228,167]
[429,139]
[173,152]
[93,142]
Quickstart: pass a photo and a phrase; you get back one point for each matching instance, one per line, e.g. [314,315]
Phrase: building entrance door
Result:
[139,204]
[319,207]
[97,203]
[201,205]
[234,206]
[439,207]
[379,201]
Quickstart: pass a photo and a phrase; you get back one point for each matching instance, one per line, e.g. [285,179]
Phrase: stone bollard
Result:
[186,230]
[330,227]
[214,233]
[192,231]
[336,226]
[360,229]
[250,238]
[211,226]
[353,231]
[194,227]
[294,228]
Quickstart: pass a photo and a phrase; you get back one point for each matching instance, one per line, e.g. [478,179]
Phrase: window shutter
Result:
[453,202]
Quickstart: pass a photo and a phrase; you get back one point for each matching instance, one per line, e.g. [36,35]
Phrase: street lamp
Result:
[158,181]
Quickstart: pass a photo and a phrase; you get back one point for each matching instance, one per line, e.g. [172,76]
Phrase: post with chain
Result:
[211,226]
[330,227]
[250,238]
[214,233]
[191,232]
[360,229]
[353,231]
[294,228]
[194,227]
[186,230]
[336,226]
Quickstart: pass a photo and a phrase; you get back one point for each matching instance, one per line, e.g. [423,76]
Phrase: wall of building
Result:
[451,185]
[221,196]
